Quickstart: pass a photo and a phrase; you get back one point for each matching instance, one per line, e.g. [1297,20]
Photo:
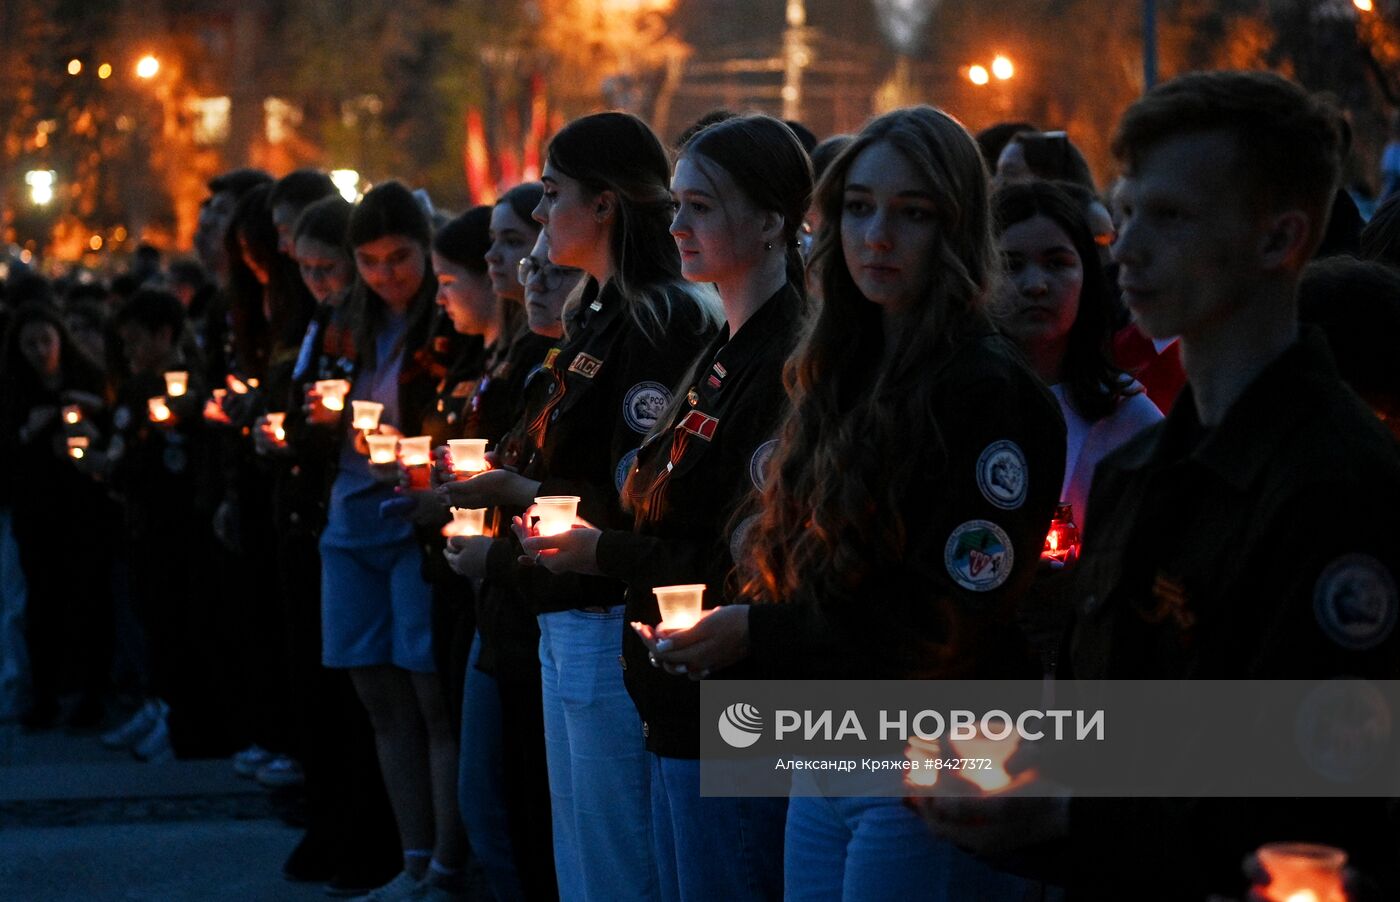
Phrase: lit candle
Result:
[416,453]
[177,382]
[466,521]
[556,513]
[72,414]
[366,415]
[381,448]
[1301,872]
[680,605]
[275,423]
[1062,542]
[468,456]
[997,751]
[159,412]
[236,385]
[333,392]
[220,394]
[923,752]
[77,446]
[252,383]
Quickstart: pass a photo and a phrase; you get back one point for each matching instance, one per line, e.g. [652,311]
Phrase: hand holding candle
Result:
[159,412]
[556,513]
[332,393]
[77,446]
[466,521]
[416,455]
[365,414]
[1302,872]
[680,606]
[383,449]
[177,382]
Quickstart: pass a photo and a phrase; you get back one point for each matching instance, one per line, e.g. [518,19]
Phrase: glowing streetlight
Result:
[347,182]
[147,67]
[1364,5]
[75,66]
[978,75]
[1002,68]
[104,70]
[40,182]
[95,242]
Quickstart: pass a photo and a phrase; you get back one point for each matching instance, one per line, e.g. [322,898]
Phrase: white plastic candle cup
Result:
[72,414]
[556,513]
[333,392]
[417,454]
[382,448]
[680,605]
[1302,872]
[995,750]
[236,385]
[275,424]
[159,411]
[177,382]
[366,415]
[466,521]
[468,456]
[922,753]
[220,394]
[77,446]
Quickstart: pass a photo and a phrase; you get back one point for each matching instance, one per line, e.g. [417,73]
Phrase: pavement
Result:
[82,822]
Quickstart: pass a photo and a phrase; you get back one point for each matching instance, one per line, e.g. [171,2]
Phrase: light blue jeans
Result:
[599,775]
[480,776]
[874,849]
[713,848]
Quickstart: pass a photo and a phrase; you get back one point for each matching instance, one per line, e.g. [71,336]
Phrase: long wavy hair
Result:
[269,317]
[1095,385]
[830,511]
[620,153]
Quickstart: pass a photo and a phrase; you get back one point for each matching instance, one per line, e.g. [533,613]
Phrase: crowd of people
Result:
[909,404]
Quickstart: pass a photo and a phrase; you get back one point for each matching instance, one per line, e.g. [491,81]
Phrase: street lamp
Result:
[75,66]
[347,182]
[40,182]
[1364,5]
[1002,68]
[978,75]
[147,67]
[104,70]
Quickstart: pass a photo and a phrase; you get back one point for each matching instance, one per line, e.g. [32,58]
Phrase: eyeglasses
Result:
[551,276]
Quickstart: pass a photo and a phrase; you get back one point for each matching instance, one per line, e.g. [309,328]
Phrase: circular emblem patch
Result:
[1355,602]
[758,464]
[624,468]
[1343,729]
[1002,475]
[979,555]
[644,404]
[741,533]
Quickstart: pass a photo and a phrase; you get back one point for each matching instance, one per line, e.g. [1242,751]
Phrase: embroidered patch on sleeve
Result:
[644,404]
[1355,601]
[585,365]
[1002,475]
[979,555]
[758,464]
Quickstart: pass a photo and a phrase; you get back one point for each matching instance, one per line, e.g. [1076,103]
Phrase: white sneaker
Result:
[137,727]
[247,762]
[155,748]
[281,772]
[400,889]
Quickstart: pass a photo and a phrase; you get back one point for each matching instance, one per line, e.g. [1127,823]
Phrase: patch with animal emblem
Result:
[586,365]
[1355,601]
[1002,474]
[979,555]
[644,404]
[758,464]
[624,468]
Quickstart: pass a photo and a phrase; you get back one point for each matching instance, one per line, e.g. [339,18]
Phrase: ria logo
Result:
[740,725]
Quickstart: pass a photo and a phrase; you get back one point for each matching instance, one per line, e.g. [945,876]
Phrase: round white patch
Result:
[979,555]
[758,464]
[1355,602]
[644,404]
[1002,474]
[624,468]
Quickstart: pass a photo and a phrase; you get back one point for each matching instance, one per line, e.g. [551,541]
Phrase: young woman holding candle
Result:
[908,498]
[741,189]
[606,209]
[375,603]
[68,617]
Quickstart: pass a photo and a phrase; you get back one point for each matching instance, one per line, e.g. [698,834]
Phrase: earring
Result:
[767,245]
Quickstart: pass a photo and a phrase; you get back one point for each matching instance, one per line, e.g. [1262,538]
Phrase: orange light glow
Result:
[978,75]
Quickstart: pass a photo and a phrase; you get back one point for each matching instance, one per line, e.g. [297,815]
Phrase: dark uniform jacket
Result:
[601,394]
[685,486]
[975,526]
[1267,547]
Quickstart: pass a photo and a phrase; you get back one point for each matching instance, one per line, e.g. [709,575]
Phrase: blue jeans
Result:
[859,849]
[713,848]
[480,778]
[598,770]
